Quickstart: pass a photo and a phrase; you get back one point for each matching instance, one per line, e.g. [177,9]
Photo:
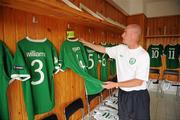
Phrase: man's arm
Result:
[129,83]
[97,48]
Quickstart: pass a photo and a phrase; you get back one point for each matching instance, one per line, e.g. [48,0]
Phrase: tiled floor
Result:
[164,108]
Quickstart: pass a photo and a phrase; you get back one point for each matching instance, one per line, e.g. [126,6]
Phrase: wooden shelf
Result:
[157,36]
[59,10]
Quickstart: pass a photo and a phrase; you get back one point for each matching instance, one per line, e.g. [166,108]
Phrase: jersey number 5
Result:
[91,60]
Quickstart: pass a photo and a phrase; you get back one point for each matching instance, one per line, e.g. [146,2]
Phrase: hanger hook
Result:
[34,19]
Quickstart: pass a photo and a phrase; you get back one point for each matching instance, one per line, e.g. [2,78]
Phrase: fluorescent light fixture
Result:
[89,11]
[70,4]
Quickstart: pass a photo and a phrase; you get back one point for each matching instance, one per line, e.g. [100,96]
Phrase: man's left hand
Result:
[109,85]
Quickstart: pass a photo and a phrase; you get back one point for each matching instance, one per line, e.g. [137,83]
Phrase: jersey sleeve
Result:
[142,71]
[55,61]
[62,65]
[166,50]
[7,60]
[161,50]
[99,57]
[20,70]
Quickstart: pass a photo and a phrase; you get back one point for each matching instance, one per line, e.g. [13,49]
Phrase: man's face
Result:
[126,36]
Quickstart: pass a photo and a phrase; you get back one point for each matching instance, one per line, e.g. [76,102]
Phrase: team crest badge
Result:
[132,61]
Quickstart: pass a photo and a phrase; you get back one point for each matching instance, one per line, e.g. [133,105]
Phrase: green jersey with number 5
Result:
[35,63]
[92,62]
[172,53]
[73,55]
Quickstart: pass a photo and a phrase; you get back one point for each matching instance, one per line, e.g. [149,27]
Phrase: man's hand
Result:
[109,85]
[128,83]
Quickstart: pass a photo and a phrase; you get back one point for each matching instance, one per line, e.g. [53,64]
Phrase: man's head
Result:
[131,34]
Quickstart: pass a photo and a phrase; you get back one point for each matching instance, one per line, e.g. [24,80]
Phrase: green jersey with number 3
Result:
[5,73]
[172,53]
[74,56]
[155,53]
[35,63]
[92,62]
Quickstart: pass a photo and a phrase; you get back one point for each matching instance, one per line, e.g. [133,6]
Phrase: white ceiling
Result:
[157,0]
[151,8]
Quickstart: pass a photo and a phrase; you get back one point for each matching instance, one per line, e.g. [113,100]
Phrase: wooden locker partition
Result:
[163,30]
[15,25]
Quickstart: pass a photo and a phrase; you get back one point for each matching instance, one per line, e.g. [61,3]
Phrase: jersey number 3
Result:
[38,70]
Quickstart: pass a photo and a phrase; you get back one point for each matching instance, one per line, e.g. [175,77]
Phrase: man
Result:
[132,63]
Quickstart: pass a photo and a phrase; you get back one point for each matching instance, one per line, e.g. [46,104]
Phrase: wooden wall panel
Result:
[168,25]
[1,24]
[15,25]
[158,34]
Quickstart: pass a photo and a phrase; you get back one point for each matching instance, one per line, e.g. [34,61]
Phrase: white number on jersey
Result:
[171,54]
[38,70]
[91,60]
[80,62]
[103,60]
[155,53]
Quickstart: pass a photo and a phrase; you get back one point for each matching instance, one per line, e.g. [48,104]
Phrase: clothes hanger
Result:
[35,40]
[156,44]
[172,44]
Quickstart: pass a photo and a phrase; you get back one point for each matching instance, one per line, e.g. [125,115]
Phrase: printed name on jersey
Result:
[155,48]
[90,51]
[33,53]
[172,49]
[75,49]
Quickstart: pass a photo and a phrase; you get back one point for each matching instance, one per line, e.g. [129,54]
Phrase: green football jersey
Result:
[103,59]
[172,53]
[155,53]
[112,64]
[74,56]
[35,62]
[92,62]
[5,73]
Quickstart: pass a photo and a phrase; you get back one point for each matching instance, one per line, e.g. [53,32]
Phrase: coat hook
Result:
[89,30]
[34,20]
[68,26]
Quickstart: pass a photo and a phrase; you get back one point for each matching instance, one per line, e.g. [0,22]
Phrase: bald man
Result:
[132,64]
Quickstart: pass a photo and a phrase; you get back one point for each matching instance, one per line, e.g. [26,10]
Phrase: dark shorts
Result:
[134,105]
